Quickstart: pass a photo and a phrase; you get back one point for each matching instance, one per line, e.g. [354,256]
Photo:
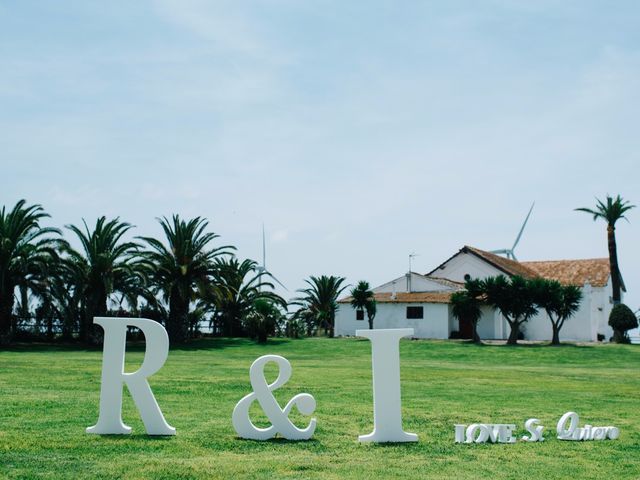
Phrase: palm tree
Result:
[319,300]
[362,299]
[182,268]
[263,319]
[466,305]
[371,308]
[106,264]
[560,302]
[514,298]
[61,298]
[611,211]
[26,256]
[237,288]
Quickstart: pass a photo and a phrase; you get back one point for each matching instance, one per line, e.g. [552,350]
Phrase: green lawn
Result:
[48,395]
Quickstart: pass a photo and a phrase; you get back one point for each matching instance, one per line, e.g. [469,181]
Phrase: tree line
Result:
[182,280]
[185,279]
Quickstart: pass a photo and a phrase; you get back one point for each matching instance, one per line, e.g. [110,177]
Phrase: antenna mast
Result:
[411,256]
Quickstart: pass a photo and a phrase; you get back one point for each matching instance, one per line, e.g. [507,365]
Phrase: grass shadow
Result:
[533,345]
[215,343]
[279,441]
[205,343]
[137,438]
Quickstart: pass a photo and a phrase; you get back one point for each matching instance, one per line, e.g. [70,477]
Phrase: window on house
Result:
[359,314]
[415,312]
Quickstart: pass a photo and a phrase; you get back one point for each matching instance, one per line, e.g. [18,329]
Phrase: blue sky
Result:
[358,132]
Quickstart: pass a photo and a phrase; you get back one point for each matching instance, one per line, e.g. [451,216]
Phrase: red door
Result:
[466,328]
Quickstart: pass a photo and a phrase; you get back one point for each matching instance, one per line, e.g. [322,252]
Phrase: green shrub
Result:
[622,319]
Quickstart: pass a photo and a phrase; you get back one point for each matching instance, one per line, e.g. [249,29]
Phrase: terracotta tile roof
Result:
[511,267]
[413,297]
[573,272]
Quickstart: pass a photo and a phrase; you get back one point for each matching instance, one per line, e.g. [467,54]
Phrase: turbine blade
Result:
[522,229]
[278,281]
[502,250]
[264,249]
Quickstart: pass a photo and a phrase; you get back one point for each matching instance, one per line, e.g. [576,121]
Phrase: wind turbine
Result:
[509,252]
[262,269]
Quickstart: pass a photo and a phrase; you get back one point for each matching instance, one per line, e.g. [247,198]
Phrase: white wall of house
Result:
[490,324]
[439,322]
[578,328]
[466,264]
[434,324]
[419,283]
[589,321]
[601,307]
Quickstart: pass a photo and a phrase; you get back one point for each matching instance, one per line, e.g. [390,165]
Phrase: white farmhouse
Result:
[422,302]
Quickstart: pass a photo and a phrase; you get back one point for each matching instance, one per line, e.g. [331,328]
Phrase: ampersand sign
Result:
[279,417]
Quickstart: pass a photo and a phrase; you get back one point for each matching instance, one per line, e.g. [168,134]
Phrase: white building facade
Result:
[422,302]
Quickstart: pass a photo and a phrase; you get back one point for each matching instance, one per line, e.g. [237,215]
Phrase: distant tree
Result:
[154,311]
[363,300]
[622,319]
[319,301]
[106,264]
[560,302]
[27,255]
[293,326]
[262,320]
[61,298]
[466,305]
[304,317]
[514,298]
[237,288]
[611,211]
[183,268]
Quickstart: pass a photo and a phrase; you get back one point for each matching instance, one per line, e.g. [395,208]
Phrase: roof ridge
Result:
[505,264]
[442,279]
[599,259]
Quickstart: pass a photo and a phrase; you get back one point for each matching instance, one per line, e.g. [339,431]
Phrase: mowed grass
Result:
[49,395]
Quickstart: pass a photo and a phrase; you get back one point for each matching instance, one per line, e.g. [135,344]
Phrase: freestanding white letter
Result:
[113,376]
[385,360]
[533,427]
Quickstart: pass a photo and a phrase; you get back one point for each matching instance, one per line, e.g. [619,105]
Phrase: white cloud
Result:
[225,24]
[280,236]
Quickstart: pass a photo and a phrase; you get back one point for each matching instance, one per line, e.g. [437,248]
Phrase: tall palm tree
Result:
[236,289]
[105,264]
[182,268]
[611,211]
[363,300]
[27,253]
[319,300]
